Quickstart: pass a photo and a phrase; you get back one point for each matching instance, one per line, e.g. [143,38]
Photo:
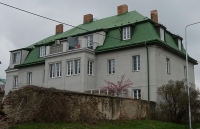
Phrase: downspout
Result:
[147,71]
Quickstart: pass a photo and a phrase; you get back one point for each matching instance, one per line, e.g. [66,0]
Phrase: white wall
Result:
[37,77]
[157,65]
[78,82]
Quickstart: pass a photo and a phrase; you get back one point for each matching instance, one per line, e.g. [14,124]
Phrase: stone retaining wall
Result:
[39,104]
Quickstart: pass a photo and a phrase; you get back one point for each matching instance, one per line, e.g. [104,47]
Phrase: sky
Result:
[19,29]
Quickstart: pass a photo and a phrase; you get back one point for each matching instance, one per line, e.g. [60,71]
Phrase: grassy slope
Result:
[145,124]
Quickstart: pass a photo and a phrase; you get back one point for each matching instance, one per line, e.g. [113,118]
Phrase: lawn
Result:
[145,124]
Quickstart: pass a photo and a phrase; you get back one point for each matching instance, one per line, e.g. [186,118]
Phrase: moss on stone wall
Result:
[40,104]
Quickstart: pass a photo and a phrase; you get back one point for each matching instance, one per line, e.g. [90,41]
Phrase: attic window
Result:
[179,44]
[16,58]
[162,34]
[126,33]
[42,51]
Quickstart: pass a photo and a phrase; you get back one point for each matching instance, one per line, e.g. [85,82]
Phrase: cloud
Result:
[6,46]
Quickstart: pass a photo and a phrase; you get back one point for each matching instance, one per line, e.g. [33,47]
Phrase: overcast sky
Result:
[19,29]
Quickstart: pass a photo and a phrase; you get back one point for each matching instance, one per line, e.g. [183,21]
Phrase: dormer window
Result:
[179,44]
[162,34]
[90,41]
[126,33]
[16,58]
[42,51]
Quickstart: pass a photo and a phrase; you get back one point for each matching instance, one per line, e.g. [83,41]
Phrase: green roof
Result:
[3,80]
[106,23]
[143,31]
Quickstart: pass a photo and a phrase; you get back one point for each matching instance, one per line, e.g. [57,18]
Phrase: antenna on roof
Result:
[95,19]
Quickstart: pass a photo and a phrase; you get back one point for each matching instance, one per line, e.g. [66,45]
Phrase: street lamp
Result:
[187,79]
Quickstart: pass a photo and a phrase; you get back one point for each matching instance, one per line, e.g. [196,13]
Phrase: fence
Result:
[56,49]
[124,93]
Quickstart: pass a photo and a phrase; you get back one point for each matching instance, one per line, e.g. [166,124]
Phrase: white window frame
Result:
[15,82]
[16,59]
[58,69]
[136,95]
[168,65]
[179,44]
[90,41]
[111,66]
[30,76]
[70,68]
[162,34]
[52,70]
[136,63]
[126,33]
[42,51]
[90,67]
[77,66]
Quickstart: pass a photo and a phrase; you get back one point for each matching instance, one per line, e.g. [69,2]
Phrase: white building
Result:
[81,58]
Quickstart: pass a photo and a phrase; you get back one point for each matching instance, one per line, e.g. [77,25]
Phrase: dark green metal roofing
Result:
[33,57]
[109,22]
[144,31]
[3,80]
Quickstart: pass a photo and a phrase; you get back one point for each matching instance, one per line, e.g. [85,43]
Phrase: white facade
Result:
[123,64]
[79,68]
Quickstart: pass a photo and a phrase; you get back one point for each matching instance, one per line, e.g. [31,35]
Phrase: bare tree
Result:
[118,87]
[174,106]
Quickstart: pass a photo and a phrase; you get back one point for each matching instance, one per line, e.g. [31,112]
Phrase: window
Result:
[136,94]
[167,65]
[69,68]
[15,82]
[77,66]
[52,70]
[162,34]
[136,63]
[90,67]
[42,51]
[90,41]
[59,69]
[111,66]
[185,72]
[126,33]
[16,58]
[179,44]
[30,78]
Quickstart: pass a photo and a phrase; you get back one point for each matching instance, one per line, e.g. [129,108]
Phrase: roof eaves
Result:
[180,53]
[28,64]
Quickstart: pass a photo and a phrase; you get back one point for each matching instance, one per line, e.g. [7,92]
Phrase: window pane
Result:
[162,34]
[79,66]
[109,67]
[138,62]
[134,63]
[128,32]
[90,67]
[167,66]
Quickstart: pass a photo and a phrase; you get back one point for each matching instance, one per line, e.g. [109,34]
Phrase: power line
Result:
[59,21]
[55,20]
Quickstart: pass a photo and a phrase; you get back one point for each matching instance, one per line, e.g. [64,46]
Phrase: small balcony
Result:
[56,49]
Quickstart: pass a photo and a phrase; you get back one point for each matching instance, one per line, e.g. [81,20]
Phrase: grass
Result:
[145,124]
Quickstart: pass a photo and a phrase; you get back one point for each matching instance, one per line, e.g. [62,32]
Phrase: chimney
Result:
[59,28]
[87,18]
[154,15]
[122,9]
